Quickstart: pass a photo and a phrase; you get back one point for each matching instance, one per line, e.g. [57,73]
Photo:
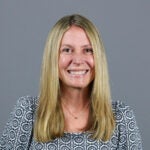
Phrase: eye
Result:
[89,50]
[66,50]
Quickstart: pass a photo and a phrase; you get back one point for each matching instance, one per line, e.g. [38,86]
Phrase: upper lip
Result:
[77,69]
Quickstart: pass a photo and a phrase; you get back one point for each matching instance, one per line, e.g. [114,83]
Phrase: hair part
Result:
[49,122]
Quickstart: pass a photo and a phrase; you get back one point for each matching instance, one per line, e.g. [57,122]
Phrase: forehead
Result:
[75,35]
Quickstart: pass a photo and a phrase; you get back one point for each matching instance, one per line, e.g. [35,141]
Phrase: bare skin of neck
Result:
[75,105]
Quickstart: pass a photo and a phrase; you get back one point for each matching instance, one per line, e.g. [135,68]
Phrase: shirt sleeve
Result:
[18,130]
[128,132]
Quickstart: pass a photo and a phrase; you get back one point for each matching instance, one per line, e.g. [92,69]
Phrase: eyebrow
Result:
[88,45]
[65,45]
[83,46]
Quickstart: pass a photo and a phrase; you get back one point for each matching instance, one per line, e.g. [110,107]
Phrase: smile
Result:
[75,72]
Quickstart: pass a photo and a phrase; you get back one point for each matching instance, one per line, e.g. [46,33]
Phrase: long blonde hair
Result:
[49,121]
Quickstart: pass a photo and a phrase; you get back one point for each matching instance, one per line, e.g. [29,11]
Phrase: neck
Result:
[75,105]
[75,98]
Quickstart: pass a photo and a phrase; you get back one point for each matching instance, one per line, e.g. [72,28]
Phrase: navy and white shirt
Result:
[18,132]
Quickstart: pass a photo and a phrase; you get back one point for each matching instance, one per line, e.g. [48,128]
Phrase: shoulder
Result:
[27,103]
[18,130]
[125,119]
[127,130]
[123,112]
[122,109]
[24,109]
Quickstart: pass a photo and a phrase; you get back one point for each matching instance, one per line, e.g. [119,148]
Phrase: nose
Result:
[78,59]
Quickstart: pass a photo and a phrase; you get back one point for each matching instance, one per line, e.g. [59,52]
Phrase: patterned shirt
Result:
[18,132]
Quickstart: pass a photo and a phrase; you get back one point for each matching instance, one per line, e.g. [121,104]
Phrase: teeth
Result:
[77,72]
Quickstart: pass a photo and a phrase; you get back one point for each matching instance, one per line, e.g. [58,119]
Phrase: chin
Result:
[79,86]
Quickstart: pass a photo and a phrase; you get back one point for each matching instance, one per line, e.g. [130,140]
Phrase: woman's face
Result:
[76,62]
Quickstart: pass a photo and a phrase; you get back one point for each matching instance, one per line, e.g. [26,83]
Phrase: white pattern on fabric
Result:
[18,135]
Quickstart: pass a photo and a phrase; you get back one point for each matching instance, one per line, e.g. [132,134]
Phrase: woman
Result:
[73,110]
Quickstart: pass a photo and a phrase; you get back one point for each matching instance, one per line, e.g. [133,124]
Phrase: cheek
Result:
[63,62]
[91,62]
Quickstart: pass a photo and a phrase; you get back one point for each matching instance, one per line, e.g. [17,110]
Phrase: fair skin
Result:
[76,72]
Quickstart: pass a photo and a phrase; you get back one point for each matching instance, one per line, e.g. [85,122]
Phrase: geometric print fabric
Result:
[18,132]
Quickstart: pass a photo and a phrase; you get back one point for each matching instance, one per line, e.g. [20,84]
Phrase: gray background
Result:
[125,29]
